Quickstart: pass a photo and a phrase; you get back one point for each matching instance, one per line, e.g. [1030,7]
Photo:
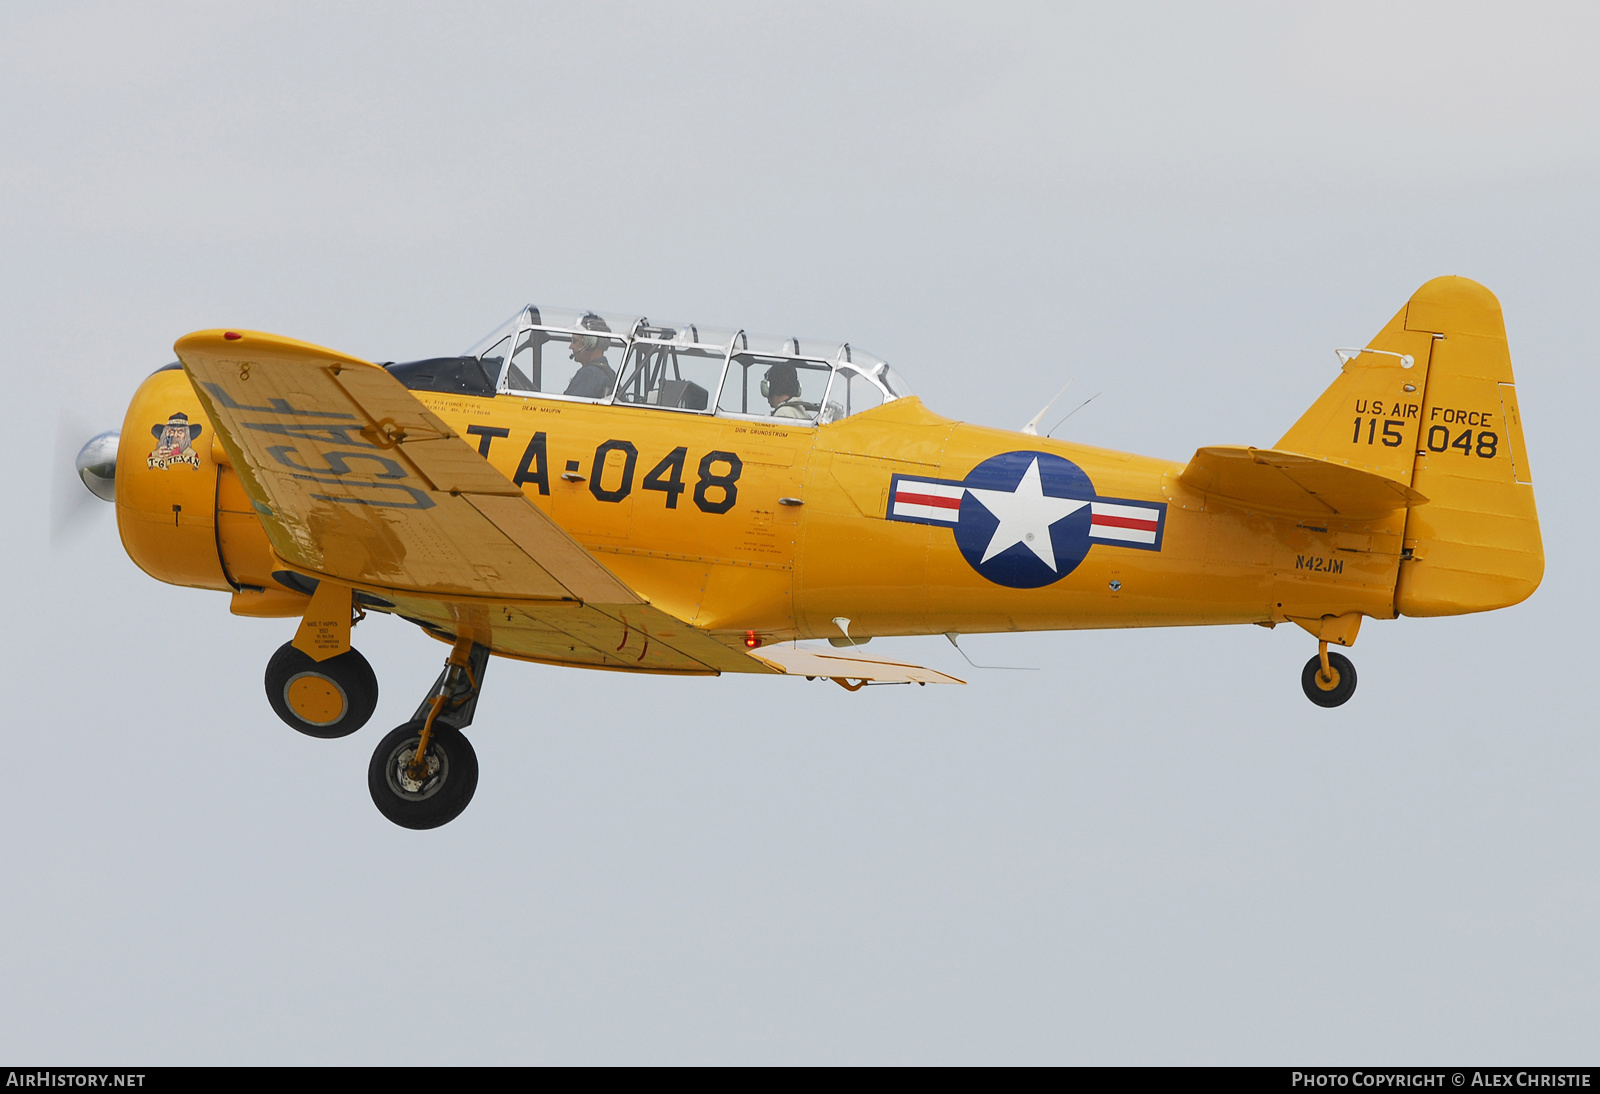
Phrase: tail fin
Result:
[1447,426]
[1370,417]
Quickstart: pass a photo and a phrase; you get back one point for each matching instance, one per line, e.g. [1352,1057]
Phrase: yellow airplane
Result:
[607,492]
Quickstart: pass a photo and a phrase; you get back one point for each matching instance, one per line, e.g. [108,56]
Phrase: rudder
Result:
[1475,545]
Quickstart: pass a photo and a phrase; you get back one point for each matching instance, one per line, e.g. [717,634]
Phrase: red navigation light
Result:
[232,336]
[752,639]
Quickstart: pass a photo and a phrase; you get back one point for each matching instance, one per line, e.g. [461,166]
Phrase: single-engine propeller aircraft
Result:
[610,492]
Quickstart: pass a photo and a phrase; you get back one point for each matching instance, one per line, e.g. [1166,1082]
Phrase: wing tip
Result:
[232,341]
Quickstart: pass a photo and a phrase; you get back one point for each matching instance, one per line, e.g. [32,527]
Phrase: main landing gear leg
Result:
[424,773]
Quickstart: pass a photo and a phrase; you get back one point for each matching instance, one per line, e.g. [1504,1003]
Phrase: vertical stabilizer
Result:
[1370,417]
[1431,404]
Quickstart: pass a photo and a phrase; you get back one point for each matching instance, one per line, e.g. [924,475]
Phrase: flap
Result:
[798,661]
[626,638]
[1295,485]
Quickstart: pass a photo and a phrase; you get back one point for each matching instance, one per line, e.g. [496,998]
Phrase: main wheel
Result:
[331,698]
[1329,693]
[427,798]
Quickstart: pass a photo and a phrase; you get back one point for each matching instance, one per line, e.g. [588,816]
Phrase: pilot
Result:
[594,377]
[782,389]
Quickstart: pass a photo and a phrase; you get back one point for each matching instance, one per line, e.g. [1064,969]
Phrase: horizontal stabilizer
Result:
[1294,485]
[796,661]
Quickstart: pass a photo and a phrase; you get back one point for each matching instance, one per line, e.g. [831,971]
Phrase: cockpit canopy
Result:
[629,360]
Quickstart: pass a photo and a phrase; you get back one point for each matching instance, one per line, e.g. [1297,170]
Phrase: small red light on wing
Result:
[752,640]
[232,336]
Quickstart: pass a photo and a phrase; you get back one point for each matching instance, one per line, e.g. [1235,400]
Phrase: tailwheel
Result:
[1329,679]
[428,793]
[331,698]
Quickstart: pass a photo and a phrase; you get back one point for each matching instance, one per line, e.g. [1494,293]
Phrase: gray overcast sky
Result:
[1154,850]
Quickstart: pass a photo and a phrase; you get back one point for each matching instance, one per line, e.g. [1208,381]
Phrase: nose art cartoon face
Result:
[175,443]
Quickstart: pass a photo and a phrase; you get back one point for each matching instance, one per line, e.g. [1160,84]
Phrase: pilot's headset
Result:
[781,379]
[591,321]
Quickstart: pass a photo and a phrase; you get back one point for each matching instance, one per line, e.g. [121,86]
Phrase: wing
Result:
[1285,482]
[357,482]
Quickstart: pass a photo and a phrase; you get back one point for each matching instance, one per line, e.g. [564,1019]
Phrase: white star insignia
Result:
[1025,516]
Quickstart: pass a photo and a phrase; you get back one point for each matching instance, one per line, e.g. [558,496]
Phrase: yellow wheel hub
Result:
[1330,681]
[315,699]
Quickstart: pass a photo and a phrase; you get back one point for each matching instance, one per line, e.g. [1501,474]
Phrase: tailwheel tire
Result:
[331,698]
[1329,693]
[433,796]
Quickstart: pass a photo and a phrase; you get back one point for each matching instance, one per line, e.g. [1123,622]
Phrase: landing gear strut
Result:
[1329,679]
[424,773]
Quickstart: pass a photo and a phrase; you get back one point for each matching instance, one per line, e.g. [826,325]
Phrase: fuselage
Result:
[799,529]
[780,527]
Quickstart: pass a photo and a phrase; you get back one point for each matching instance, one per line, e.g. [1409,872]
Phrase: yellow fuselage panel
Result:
[699,514]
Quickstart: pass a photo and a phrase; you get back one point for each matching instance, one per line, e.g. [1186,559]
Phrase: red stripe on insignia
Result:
[1126,522]
[936,501]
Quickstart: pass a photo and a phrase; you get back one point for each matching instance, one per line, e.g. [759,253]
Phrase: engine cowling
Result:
[183,514]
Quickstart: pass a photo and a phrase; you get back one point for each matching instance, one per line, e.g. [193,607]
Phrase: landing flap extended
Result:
[1294,485]
[797,661]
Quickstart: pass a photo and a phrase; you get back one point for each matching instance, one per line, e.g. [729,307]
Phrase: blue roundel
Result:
[1025,519]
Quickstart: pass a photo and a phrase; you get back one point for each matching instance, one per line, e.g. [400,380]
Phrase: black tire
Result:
[1344,683]
[441,795]
[327,699]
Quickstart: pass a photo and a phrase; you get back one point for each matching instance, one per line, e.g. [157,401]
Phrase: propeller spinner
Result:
[97,465]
